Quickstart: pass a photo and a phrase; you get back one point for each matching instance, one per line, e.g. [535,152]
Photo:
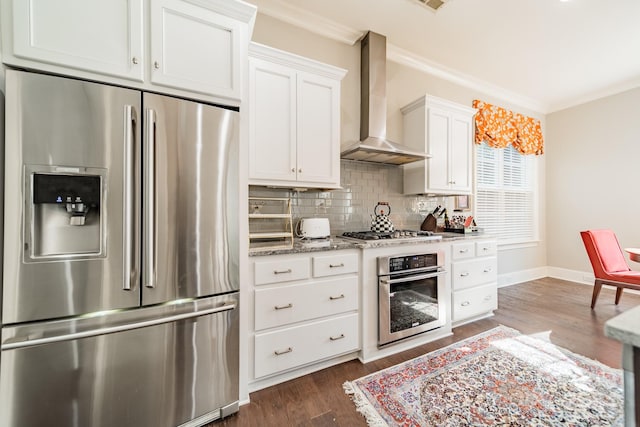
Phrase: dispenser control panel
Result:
[55,188]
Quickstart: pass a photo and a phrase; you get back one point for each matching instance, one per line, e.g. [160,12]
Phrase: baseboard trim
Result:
[516,277]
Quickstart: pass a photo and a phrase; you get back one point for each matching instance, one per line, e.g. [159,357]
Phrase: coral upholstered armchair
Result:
[609,264]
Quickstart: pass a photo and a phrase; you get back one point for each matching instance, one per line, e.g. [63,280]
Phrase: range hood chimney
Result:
[373,145]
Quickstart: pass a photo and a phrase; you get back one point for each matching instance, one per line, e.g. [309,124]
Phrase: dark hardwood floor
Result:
[547,305]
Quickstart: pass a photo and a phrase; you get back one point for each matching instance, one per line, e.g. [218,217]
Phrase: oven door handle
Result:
[412,278]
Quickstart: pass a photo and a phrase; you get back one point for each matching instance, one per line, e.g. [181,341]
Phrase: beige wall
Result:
[404,85]
[593,172]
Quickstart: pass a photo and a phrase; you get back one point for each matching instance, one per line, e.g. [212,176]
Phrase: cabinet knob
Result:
[134,60]
[293,169]
[156,65]
[300,170]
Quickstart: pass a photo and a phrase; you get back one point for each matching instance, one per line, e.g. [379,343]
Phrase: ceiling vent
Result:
[433,4]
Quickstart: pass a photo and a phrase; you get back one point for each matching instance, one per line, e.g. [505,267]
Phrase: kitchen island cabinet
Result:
[294,120]
[187,48]
[444,130]
[304,316]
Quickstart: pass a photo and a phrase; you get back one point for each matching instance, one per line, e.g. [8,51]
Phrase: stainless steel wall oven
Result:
[411,295]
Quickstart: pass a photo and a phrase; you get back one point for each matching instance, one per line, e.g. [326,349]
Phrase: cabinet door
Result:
[272,128]
[195,48]
[90,35]
[460,145]
[318,127]
[438,174]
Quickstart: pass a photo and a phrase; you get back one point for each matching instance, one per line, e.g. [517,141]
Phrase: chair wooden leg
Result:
[618,294]
[597,286]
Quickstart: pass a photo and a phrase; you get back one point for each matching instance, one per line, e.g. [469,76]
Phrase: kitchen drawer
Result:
[474,272]
[487,248]
[474,301]
[335,264]
[296,346]
[281,270]
[462,250]
[295,303]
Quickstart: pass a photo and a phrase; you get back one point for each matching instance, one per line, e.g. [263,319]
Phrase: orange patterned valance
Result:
[499,127]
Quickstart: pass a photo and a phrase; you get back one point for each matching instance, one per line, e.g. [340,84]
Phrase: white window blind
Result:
[505,194]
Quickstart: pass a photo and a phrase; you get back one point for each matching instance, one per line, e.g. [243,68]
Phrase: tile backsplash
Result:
[350,208]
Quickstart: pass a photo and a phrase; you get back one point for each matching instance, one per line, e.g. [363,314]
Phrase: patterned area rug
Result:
[497,378]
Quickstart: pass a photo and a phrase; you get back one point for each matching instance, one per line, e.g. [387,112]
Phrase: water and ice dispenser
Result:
[67,213]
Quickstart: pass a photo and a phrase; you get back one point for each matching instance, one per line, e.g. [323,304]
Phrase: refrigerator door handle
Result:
[149,199]
[130,237]
[120,328]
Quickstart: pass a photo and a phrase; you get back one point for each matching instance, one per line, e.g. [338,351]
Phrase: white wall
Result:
[404,85]
[593,173]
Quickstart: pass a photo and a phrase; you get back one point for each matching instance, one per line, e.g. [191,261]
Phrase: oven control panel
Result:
[413,262]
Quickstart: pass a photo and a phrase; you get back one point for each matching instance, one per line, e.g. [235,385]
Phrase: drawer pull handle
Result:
[466,303]
[336,265]
[465,274]
[282,307]
[288,270]
[332,298]
[281,352]
[463,251]
[339,337]
[488,270]
[485,248]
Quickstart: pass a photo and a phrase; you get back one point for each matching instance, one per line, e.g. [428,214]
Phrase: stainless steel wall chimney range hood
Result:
[373,145]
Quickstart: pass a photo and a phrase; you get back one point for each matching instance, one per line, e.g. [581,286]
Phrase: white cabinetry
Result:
[305,313]
[194,46]
[444,130]
[294,115]
[474,273]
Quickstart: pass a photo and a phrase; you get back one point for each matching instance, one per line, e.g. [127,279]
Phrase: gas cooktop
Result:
[398,234]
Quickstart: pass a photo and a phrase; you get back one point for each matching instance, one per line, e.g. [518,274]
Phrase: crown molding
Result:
[409,59]
[304,19]
[310,21]
[615,89]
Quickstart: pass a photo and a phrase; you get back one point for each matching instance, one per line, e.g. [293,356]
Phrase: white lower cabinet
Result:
[472,302]
[295,303]
[305,313]
[298,345]
[474,280]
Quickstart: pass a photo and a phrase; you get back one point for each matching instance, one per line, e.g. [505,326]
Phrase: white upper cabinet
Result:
[294,115]
[194,46]
[102,36]
[444,130]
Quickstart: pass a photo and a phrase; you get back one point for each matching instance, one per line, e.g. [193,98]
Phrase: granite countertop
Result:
[625,327]
[338,243]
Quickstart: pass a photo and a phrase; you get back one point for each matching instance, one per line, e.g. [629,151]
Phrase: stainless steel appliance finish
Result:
[131,368]
[374,145]
[409,287]
[121,257]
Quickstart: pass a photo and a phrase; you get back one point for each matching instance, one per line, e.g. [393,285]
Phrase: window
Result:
[505,195]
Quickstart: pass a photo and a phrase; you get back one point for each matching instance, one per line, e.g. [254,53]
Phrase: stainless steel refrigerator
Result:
[120,287]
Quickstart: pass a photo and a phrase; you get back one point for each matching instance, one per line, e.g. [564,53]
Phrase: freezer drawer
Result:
[176,364]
